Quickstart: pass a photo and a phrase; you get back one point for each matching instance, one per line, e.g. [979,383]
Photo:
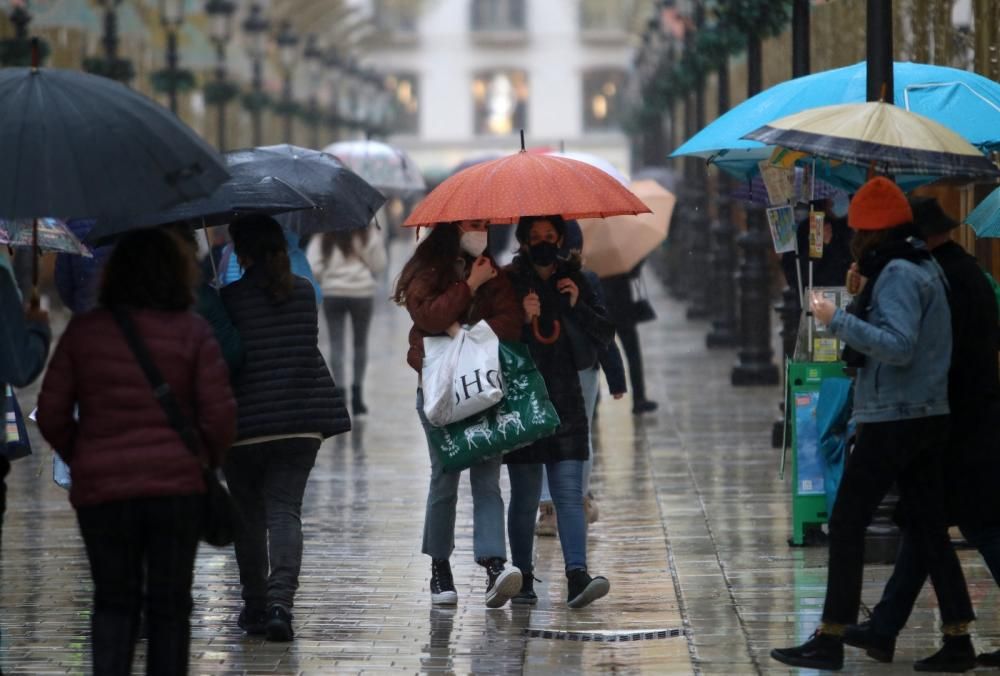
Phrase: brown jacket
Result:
[432,313]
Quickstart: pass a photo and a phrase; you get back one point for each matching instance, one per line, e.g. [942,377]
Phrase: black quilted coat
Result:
[284,386]
[556,362]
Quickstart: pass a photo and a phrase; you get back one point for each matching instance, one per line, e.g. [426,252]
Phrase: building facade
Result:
[470,74]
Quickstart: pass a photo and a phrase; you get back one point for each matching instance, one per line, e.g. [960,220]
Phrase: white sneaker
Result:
[504,583]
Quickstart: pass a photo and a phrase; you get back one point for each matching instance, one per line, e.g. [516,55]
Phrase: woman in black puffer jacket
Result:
[287,406]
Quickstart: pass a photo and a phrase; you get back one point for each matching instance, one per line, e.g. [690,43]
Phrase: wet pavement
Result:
[693,532]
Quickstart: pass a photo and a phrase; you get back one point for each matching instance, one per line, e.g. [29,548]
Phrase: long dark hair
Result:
[343,240]
[438,252]
[523,229]
[260,243]
[150,269]
[863,241]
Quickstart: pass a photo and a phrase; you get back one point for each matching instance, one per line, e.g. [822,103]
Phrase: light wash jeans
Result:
[590,383]
[565,481]
[488,540]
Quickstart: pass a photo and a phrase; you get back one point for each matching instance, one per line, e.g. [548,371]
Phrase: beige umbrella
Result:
[615,245]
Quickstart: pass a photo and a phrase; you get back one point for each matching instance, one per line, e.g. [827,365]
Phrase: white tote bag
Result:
[461,375]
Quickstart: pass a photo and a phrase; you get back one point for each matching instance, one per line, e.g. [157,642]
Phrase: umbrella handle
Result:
[546,340]
[35,255]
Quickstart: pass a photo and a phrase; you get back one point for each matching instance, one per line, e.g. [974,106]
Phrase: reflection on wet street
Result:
[692,534]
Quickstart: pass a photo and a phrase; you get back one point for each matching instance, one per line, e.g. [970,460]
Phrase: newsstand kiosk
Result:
[817,354]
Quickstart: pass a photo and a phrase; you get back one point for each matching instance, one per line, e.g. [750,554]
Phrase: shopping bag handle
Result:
[546,340]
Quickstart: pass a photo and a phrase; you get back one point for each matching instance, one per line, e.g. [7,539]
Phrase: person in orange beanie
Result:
[898,337]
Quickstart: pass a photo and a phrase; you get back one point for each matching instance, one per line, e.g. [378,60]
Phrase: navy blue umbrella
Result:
[344,200]
[238,196]
[79,145]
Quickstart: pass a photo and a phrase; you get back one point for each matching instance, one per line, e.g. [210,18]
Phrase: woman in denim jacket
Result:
[898,336]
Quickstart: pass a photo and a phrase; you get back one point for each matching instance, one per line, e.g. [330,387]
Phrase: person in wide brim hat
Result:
[898,336]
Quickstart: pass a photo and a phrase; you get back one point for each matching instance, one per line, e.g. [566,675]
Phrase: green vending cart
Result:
[816,358]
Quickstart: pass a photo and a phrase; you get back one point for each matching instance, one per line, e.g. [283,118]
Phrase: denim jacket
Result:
[907,339]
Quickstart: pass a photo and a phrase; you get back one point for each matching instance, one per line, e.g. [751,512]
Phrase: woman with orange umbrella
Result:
[558,302]
[448,282]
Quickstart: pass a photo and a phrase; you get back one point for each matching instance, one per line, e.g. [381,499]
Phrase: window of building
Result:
[396,16]
[606,16]
[498,15]
[500,100]
[603,99]
[407,100]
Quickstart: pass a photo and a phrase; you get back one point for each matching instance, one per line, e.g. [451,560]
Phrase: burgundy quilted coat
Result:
[123,447]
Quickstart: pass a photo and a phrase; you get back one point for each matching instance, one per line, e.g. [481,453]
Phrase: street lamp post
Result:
[171,17]
[312,55]
[288,44]
[697,218]
[755,366]
[221,29]
[333,67]
[110,65]
[256,26]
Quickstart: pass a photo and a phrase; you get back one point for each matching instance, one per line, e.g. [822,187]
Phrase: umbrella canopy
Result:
[896,140]
[387,168]
[236,197]
[965,102]
[53,235]
[985,218]
[79,145]
[614,246]
[343,199]
[526,184]
[595,161]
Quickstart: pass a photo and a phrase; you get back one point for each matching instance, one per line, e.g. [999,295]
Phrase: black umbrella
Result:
[343,199]
[79,145]
[238,196]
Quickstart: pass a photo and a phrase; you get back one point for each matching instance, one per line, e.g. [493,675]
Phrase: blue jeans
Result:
[590,383]
[910,573]
[565,481]
[442,496]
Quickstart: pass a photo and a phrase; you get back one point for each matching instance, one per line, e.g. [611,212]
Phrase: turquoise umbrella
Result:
[967,103]
[985,218]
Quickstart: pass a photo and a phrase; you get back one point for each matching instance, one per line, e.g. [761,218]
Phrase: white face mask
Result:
[473,243]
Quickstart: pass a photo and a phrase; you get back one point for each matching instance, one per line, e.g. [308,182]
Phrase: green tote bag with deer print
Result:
[524,415]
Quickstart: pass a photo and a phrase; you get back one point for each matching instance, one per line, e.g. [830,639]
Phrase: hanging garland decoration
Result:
[672,82]
[121,70]
[165,80]
[253,101]
[310,114]
[219,92]
[282,107]
[17,52]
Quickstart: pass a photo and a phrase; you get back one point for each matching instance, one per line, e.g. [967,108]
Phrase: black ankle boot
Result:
[877,646]
[956,656]
[527,595]
[821,651]
[357,403]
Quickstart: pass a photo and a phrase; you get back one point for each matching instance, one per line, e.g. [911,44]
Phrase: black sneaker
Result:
[527,596]
[956,656]
[989,659]
[252,620]
[442,585]
[644,406]
[583,589]
[503,583]
[821,651]
[279,624]
[879,647]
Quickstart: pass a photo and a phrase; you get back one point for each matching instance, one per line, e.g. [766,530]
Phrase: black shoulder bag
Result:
[218,518]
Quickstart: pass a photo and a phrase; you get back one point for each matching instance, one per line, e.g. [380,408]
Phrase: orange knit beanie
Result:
[879,205]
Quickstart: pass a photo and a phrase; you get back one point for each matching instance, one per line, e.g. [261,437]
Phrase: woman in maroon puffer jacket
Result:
[136,486]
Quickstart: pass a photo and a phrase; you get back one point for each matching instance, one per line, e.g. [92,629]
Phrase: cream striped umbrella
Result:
[895,140]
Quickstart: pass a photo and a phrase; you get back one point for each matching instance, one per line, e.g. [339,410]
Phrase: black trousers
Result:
[4,470]
[907,452]
[629,336]
[124,539]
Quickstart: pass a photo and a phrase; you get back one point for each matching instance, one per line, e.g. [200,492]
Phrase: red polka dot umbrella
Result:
[526,184]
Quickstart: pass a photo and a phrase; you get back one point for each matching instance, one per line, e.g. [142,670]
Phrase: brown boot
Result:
[546,526]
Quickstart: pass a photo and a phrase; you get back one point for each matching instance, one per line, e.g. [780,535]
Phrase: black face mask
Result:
[544,253]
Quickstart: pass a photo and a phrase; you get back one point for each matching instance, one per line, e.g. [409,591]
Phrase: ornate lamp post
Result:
[110,65]
[16,51]
[220,92]
[697,218]
[312,55]
[288,48]
[334,76]
[256,26]
[171,79]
